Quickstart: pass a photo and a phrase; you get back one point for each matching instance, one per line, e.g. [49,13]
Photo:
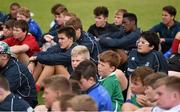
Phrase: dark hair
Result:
[75,86]
[130,17]
[152,38]
[15,4]
[22,25]
[4,83]
[170,9]
[101,10]
[58,9]
[85,69]
[141,73]
[69,32]
[9,24]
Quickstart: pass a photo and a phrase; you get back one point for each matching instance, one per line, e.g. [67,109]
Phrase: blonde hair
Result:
[24,11]
[80,50]
[120,11]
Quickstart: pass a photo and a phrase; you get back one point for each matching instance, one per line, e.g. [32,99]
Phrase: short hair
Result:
[170,9]
[15,4]
[58,9]
[120,11]
[171,82]
[63,100]
[82,103]
[75,22]
[80,50]
[110,57]
[86,69]
[76,89]
[4,84]
[58,83]
[130,17]
[9,24]
[141,73]
[152,78]
[24,11]
[101,10]
[68,31]
[152,38]
[23,25]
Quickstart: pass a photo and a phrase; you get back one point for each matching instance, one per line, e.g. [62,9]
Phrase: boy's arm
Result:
[19,48]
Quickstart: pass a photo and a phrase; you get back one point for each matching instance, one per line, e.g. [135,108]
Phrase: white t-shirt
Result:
[174,109]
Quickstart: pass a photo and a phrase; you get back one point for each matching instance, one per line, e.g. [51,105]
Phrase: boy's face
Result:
[118,19]
[75,60]
[143,46]
[100,21]
[7,31]
[104,69]
[137,87]
[85,84]
[59,19]
[21,17]
[150,93]
[14,10]
[64,41]
[18,33]
[164,97]
[167,18]
[49,96]
[128,25]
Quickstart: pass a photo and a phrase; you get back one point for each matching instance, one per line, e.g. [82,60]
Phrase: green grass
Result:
[147,11]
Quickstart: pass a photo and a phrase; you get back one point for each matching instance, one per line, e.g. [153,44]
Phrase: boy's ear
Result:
[1,91]
[152,47]
[113,68]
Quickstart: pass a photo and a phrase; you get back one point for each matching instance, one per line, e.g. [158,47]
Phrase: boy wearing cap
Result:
[20,79]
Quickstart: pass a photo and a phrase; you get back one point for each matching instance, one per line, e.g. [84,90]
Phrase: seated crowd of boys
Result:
[111,67]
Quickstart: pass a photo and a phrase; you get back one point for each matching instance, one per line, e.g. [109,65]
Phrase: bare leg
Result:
[60,69]
[47,71]
[37,71]
[23,57]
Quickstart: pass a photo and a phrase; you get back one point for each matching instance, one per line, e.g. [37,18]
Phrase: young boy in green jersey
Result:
[108,62]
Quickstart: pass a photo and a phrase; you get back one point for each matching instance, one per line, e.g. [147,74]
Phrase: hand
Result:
[142,100]
[48,38]
[32,58]
[31,67]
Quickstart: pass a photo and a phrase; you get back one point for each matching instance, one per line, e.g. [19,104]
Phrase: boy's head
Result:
[14,9]
[137,77]
[78,54]
[57,10]
[167,92]
[168,14]
[129,22]
[118,17]
[81,103]
[61,103]
[4,86]
[54,87]
[23,14]
[8,28]
[67,16]
[20,29]
[101,16]
[66,37]
[149,82]
[86,74]
[108,62]
[75,22]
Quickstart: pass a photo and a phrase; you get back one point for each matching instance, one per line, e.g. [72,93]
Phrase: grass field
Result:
[148,11]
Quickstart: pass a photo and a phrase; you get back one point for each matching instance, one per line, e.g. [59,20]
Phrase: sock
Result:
[175,45]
